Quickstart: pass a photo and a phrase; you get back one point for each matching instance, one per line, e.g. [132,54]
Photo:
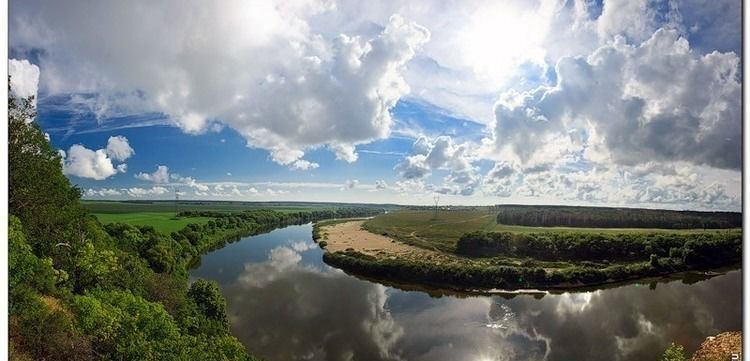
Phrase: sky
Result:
[614,103]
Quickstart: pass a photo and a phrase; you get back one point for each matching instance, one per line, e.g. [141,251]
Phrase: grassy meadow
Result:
[424,229]
[163,222]
[162,215]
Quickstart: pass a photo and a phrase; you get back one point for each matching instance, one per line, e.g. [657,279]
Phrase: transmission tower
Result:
[176,200]
[436,199]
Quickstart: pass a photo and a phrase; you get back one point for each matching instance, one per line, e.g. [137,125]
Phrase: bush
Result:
[208,298]
[26,269]
[674,352]
[44,329]
[125,326]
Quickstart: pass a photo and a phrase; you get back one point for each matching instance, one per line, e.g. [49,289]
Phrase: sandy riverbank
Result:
[343,236]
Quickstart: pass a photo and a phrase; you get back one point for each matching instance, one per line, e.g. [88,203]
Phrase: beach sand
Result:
[343,236]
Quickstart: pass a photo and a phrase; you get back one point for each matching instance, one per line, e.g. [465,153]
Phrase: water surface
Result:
[284,303]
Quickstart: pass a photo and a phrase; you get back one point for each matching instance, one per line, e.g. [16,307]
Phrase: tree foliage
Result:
[38,192]
[605,217]
[80,291]
[208,298]
[674,352]
[697,249]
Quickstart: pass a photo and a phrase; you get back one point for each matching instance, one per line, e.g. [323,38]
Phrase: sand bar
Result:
[342,236]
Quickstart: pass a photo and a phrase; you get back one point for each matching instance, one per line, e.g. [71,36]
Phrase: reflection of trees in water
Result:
[284,310]
[688,277]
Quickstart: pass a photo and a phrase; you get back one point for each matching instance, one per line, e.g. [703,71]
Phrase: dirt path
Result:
[341,236]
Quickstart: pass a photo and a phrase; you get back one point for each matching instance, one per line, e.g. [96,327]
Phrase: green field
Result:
[164,222]
[422,228]
[162,214]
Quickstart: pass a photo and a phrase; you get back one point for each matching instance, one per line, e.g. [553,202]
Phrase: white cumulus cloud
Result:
[283,86]
[442,153]
[160,175]
[24,78]
[632,104]
[95,164]
[118,148]
[102,192]
[138,192]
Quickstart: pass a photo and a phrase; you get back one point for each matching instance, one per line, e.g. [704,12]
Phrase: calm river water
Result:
[284,303]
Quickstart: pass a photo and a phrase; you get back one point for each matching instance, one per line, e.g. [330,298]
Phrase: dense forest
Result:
[605,217]
[79,290]
[693,249]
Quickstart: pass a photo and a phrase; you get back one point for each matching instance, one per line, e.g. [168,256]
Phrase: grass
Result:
[163,222]
[423,229]
[162,214]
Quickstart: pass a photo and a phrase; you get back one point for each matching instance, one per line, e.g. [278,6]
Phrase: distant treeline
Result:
[694,249]
[604,217]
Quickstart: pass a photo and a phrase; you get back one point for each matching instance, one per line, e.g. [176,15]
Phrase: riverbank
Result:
[341,237]
[350,247]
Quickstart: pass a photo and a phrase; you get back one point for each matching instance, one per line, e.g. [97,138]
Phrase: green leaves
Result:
[38,192]
[674,352]
[103,275]
[125,326]
[94,267]
[26,269]
[207,297]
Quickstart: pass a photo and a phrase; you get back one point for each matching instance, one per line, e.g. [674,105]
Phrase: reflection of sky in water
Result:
[285,304]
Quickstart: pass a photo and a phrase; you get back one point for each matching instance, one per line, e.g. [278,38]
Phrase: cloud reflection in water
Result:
[285,309]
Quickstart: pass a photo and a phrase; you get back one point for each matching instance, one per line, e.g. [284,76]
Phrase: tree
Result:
[161,258]
[63,256]
[26,269]
[39,194]
[674,352]
[208,298]
[126,327]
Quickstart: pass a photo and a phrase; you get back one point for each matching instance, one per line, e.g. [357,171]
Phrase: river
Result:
[284,303]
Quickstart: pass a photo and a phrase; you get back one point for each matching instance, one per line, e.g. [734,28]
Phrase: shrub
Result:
[208,298]
[674,352]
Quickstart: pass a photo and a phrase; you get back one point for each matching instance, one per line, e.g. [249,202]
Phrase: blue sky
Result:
[561,102]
